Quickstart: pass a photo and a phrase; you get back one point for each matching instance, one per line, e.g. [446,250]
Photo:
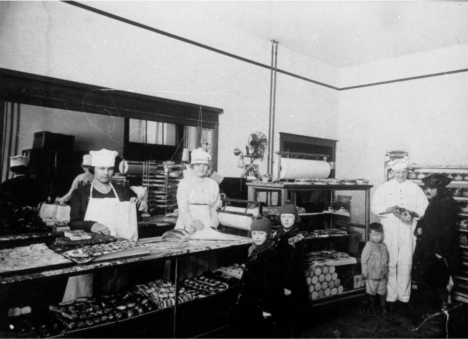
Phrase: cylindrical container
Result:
[312,273]
[340,289]
[334,291]
[314,295]
[321,278]
[327,292]
[337,282]
[324,285]
[334,276]
[314,279]
[328,277]
[331,284]
[318,287]
[318,271]
[321,294]
[325,269]
[311,289]
[309,280]
[331,269]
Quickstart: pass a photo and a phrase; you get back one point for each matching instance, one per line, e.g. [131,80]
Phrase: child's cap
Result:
[260,223]
[288,208]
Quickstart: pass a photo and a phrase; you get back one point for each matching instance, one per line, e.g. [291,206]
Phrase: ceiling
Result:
[346,33]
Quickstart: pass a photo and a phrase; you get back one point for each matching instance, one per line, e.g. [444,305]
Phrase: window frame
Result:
[38,90]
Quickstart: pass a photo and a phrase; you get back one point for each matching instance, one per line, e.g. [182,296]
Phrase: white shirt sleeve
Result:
[378,204]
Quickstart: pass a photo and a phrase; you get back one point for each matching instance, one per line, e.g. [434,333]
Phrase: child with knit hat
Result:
[289,245]
[260,289]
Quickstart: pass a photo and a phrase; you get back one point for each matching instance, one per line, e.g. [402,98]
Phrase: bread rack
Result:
[162,178]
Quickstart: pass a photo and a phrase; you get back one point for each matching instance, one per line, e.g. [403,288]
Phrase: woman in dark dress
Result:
[437,251]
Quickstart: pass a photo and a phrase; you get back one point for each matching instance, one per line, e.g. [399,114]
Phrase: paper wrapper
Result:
[299,168]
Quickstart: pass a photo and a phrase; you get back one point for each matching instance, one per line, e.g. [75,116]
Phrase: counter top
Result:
[157,249]
[26,236]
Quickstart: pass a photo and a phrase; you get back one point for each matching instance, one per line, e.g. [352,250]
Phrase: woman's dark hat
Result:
[436,180]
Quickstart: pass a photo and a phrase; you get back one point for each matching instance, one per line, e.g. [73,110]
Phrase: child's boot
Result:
[371,303]
[384,306]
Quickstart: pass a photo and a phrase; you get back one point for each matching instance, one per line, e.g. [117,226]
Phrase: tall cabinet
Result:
[322,217]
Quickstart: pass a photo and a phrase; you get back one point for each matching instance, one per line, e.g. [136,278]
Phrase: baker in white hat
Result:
[21,190]
[399,203]
[94,209]
[197,195]
[81,180]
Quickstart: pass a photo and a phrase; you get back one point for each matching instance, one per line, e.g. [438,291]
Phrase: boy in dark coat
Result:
[260,289]
[289,245]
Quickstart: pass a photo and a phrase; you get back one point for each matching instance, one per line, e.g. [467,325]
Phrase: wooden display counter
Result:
[38,270]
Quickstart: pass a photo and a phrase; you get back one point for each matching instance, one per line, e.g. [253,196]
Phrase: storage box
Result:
[53,141]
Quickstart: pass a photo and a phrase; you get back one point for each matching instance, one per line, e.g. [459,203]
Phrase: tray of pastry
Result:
[103,252]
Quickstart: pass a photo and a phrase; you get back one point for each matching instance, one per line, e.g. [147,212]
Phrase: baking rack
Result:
[162,178]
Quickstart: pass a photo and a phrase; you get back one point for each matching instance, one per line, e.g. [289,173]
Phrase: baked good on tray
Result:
[94,239]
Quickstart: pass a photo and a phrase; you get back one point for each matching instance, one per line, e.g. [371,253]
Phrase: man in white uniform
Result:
[387,203]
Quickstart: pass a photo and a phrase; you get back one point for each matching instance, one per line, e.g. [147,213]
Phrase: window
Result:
[152,132]
[159,124]
[194,139]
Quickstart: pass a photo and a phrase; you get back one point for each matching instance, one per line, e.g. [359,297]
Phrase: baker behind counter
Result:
[104,209]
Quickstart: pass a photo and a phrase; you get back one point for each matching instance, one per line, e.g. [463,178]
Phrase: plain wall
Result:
[425,116]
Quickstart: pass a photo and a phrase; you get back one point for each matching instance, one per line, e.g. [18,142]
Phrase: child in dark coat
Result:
[260,289]
[289,245]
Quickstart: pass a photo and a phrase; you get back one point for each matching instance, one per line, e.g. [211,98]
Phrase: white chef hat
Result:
[199,156]
[18,160]
[104,158]
[399,164]
[87,160]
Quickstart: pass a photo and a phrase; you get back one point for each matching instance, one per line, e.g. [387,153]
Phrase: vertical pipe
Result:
[270,156]
[272,136]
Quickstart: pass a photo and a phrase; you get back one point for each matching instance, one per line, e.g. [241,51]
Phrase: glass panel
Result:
[159,133]
[207,140]
[191,137]
[151,136]
[137,130]
[170,134]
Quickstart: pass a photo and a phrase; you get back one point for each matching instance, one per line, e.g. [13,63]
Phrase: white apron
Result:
[120,218]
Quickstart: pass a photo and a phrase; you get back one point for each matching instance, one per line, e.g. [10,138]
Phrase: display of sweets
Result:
[206,286]
[162,293]
[234,271]
[87,312]
[323,281]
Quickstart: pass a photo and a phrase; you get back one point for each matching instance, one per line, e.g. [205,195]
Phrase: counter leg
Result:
[176,283]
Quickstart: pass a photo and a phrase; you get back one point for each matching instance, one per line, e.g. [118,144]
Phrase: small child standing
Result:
[374,262]
[260,289]
[289,245]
